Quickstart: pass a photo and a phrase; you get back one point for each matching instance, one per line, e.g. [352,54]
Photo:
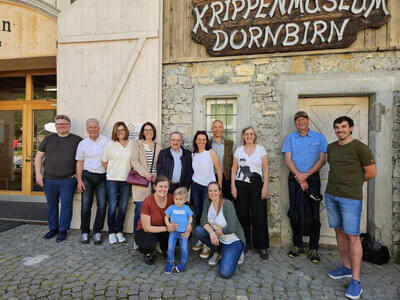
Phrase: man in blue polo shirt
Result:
[305,154]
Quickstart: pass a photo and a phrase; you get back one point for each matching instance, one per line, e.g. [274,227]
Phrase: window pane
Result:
[44,86]
[11,150]
[12,88]
[221,109]
[229,109]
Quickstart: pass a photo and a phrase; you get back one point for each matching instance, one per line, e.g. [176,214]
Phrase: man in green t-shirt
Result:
[351,164]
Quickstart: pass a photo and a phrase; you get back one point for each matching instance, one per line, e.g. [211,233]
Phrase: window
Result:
[224,109]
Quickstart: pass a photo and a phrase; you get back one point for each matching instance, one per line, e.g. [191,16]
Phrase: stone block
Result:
[244,70]
[244,79]
[172,80]
[262,78]
[199,70]
[222,71]
[261,61]
[297,67]
[205,81]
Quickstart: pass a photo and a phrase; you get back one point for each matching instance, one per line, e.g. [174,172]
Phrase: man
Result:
[351,164]
[58,180]
[305,155]
[224,149]
[91,177]
[175,163]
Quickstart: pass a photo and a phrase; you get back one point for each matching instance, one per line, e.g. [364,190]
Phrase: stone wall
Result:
[396,173]
[261,74]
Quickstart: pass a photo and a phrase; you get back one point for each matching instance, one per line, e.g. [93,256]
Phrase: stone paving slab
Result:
[33,268]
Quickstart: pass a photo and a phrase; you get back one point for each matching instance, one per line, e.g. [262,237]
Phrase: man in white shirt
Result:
[91,177]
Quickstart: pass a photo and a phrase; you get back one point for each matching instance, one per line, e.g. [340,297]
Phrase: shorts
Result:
[344,214]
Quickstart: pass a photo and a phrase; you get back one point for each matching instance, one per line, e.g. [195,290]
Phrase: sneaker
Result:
[168,269]
[264,255]
[313,256]
[340,273]
[61,236]
[50,234]
[354,290]
[135,246]
[97,238]
[121,238]
[295,252]
[85,238]
[112,238]
[198,246]
[205,253]
[180,268]
[241,258]
[158,249]
[215,258]
[148,258]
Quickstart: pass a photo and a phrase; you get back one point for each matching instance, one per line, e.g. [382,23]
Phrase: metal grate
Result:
[224,109]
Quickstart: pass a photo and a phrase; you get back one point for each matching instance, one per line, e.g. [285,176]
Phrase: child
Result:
[180,214]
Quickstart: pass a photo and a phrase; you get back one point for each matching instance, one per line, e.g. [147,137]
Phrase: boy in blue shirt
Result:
[180,214]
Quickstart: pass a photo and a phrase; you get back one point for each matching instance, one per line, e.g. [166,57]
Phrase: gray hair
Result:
[215,121]
[176,132]
[62,117]
[92,120]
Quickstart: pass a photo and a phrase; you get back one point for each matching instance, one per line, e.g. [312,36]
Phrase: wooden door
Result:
[322,113]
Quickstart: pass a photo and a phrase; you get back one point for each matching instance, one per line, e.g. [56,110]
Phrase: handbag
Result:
[135,179]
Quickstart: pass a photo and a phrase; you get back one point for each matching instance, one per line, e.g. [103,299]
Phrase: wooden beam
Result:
[108,37]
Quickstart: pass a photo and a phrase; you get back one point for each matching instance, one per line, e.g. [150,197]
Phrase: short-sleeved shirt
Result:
[91,153]
[346,169]
[59,159]
[180,215]
[118,159]
[156,213]
[248,164]
[305,150]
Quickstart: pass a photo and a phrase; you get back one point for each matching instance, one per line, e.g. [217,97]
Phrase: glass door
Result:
[27,111]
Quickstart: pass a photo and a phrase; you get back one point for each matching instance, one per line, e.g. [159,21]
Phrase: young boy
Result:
[180,214]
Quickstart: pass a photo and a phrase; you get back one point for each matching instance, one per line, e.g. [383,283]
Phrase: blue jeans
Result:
[136,218]
[54,190]
[344,213]
[173,237]
[93,183]
[230,252]
[118,195]
[198,195]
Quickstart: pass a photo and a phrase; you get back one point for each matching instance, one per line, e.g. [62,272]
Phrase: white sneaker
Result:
[214,258]
[112,239]
[121,238]
[135,246]
[241,258]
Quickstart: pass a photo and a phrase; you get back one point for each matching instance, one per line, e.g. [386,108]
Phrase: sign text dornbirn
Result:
[239,27]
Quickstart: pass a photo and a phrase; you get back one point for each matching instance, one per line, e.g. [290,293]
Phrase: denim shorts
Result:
[344,213]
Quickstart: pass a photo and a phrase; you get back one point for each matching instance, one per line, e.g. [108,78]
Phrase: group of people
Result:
[228,190]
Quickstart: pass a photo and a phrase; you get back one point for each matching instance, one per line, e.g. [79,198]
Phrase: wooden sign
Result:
[239,27]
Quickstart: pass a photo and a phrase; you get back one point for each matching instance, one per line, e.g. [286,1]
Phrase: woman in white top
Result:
[249,184]
[117,161]
[220,229]
[144,161]
[204,161]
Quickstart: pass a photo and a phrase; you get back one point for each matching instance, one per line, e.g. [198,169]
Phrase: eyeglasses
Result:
[62,124]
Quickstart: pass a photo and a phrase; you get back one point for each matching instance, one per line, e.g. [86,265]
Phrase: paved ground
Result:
[7,225]
[32,268]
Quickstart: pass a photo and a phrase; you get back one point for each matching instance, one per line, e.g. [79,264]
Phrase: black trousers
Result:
[252,213]
[226,187]
[147,241]
[304,212]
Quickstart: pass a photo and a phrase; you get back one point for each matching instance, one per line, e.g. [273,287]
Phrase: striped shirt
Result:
[149,149]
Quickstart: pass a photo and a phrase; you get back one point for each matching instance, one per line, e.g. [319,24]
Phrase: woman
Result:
[249,184]
[204,161]
[151,227]
[144,161]
[117,161]
[221,231]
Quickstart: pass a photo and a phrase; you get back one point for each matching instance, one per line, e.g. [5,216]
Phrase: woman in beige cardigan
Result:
[144,160]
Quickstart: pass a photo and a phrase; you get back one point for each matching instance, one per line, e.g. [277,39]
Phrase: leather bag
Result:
[135,179]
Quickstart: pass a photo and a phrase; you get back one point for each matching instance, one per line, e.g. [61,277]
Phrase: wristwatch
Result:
[307,174]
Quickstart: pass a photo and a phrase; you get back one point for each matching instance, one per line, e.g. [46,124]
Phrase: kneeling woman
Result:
[151,227]
[221,230]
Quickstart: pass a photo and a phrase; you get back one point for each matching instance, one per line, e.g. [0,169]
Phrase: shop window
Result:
[224,109]
[12,88]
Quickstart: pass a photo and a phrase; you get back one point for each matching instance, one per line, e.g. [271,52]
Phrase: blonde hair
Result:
[181,191]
